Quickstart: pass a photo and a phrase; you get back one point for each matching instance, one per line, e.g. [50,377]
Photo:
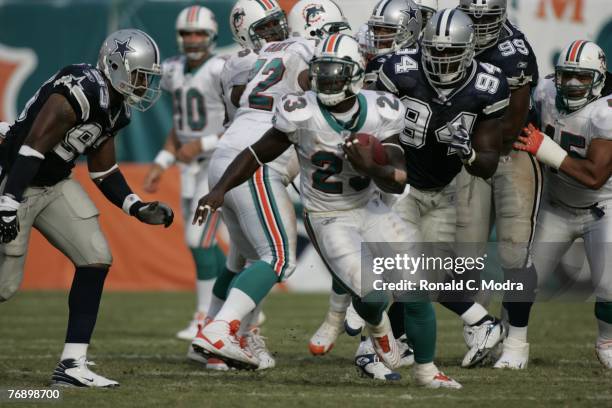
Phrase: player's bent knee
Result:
[7,291]
[513,255]
[94,251]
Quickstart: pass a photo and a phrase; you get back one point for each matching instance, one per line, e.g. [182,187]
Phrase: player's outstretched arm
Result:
[271,145]
[104,171]
[164,159]
[592,172]
[486,146]
[391,178]
[55,118]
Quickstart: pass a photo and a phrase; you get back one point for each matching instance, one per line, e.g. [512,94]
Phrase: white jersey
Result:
[328,181]
[196,97]
[274,74]
[235,73]
[574,132]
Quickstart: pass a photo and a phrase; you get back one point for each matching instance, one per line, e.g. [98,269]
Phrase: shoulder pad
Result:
[388,106]
[601,117]
[297,107]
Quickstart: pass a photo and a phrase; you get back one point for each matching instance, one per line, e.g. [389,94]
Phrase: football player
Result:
[428,9]
[79,110]
[511,197]
[453,106]
[192,79]
[338,177]
[576,145]
[269,243]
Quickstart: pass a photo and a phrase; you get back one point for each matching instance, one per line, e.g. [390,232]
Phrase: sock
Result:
[204,293]
[223,283]
[425,370]
[83,303]
[339,303]
[518,313]
[74,351]
[249,320]
[396,316]
[215,305]
[420,323]
[206,262]
[372,307]
[459,308]
[220,259]
[603,313]
[475,314]
[256,281]
[518,333]
[236,307]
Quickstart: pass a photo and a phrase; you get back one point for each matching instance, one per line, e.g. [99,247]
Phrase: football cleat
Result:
[384,342]
[406,352]
[515,355]
[193,356]
[428,376]
[216,364]
[189,332]
[353,323]
[75,373]
[324,338]
[604,353]
[482,338]
[218,339]
[255,341]
[369,365]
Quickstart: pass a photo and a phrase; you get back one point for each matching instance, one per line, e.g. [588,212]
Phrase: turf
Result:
[134,343]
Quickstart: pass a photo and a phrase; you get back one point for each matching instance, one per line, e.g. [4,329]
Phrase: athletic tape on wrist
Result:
[165,159]
[550,153]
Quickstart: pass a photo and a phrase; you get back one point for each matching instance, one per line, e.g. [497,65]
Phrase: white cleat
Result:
[406,352]
[428,376]
[481,340]
[75,373]
[324,338]
[604,353]
[369,365]
[193,356]
[514,356]
[261,318]
[353,323]
[216,364]
[384,343]
[256,342]
[189,332]
[218,339]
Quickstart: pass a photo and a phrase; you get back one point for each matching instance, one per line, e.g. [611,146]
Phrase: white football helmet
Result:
[129,59]
[428,8]
[488,17]
[196,18]
[393,24]
[257,22]
[580,74]
[448,47]
[316,19]
[337,70]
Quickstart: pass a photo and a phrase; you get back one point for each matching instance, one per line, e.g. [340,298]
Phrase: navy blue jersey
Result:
[85,89]
[484,94]
[371,72]
[514,56]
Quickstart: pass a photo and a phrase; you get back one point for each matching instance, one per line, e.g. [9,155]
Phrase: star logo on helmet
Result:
[122,48]
[411,13]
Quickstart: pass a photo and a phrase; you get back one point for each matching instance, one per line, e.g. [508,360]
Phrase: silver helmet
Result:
[428,8]
[130,61]
[488,17]
[394,24]
[447,47]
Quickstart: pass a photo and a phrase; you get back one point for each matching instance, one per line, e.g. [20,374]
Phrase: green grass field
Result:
[134,343]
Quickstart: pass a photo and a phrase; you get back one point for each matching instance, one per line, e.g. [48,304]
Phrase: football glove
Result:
[154,213]
[9,223]
[461,141]
[541,146]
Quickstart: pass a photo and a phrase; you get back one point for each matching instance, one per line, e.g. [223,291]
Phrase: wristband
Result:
[165,159]
[209,142]
[550,153]
[128,202]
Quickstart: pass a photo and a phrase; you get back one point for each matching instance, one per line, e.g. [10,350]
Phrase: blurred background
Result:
[37,37]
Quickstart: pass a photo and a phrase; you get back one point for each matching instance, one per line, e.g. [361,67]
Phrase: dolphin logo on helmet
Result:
[312,13]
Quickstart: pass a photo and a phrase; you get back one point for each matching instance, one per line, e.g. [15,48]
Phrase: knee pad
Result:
[513,255]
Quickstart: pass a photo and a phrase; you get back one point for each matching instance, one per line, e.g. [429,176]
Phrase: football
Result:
[378,150]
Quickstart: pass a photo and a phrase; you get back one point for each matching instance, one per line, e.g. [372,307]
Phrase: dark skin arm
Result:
[271,145]
[102,159]
[593,171]
[390,178]
[51,124]
[515,116]
[487,142]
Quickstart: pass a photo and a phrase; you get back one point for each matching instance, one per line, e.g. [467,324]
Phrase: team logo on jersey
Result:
[122,48]
[312,13]
[16,65]
[238,18]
